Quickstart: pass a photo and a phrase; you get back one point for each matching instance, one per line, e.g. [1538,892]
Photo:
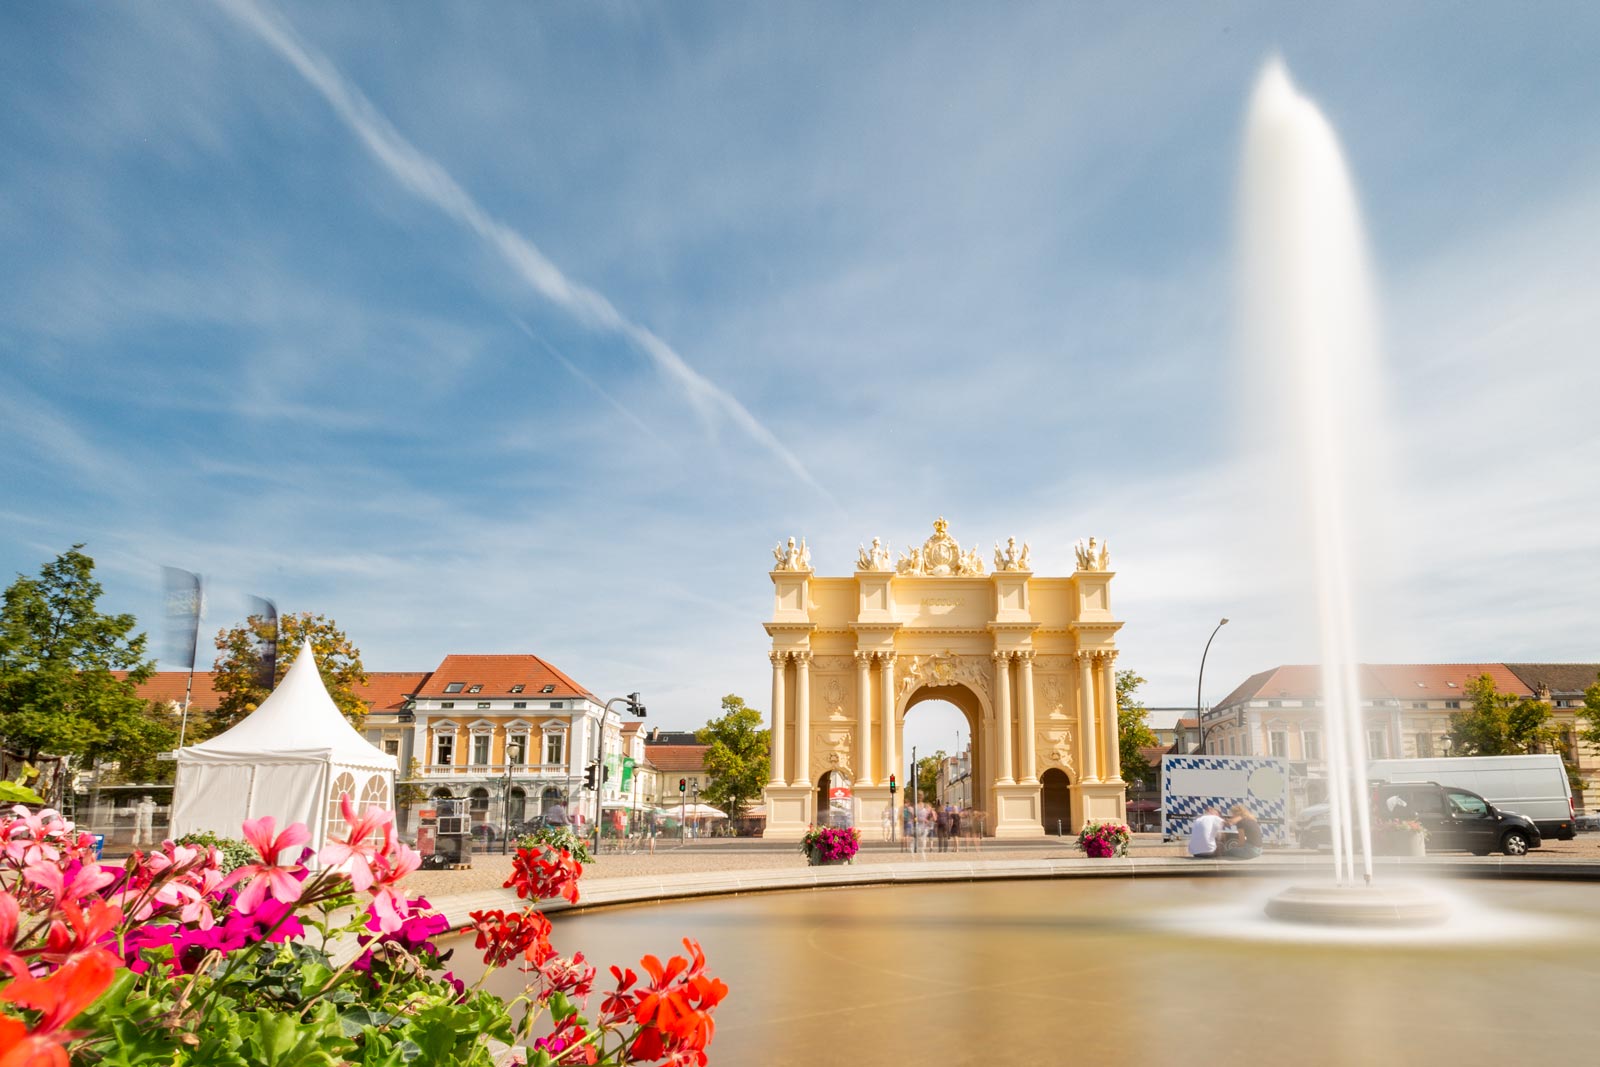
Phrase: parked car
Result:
[1454,819]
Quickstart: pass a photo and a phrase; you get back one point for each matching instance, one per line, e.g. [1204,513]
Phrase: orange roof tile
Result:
[388,690]
[677,758]
[498,674]
[1378,681]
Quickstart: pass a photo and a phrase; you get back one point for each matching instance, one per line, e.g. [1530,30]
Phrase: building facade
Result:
[1407,708]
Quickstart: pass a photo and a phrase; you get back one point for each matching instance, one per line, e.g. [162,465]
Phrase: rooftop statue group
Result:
[941,555]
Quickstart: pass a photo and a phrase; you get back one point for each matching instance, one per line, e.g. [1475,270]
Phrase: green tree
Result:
[739,758]
[1133,730]
[236,673]
[928,776]
[69,674]
[1591,713]
[1501,724]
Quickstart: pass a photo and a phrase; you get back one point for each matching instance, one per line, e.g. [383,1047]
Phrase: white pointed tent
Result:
[291,758]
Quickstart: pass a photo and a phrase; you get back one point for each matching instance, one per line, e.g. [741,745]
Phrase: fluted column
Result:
[1002,712]
[1088,721]
[1030,771]
[886,687]
[863,746]
[776,775]
[1110,737]
[802,719]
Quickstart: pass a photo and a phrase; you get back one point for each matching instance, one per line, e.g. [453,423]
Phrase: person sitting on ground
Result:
[1204,835]
[1247,845]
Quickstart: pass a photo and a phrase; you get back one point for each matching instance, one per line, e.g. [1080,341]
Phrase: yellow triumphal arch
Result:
[1028,659]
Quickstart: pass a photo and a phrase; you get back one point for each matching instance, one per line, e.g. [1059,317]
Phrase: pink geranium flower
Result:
[389,905]
[357,851]
[268,876]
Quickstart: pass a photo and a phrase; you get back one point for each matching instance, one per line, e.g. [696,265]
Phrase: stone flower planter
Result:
[1399,843]
[814,859]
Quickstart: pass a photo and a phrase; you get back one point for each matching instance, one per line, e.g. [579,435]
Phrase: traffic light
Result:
[683,785]
[634,707]
[605,774]
[891,785]
[589,774]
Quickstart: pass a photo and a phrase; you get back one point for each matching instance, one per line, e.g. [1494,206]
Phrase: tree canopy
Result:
[236,673]
[928,777]
[1133,729]
[739,758]
[69,674]
[1591,713]
[1501,724]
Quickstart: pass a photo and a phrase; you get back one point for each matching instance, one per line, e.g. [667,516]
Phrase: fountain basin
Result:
[1398,904]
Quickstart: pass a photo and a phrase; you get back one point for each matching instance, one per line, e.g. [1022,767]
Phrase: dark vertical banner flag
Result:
[264,616]
[183,608]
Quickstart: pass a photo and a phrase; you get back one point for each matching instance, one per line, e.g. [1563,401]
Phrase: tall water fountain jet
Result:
[1309,321]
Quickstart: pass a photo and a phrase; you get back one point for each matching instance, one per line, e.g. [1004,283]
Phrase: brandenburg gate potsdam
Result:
[1029,660]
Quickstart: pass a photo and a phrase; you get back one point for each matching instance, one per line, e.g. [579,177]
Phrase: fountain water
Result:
[1309,321]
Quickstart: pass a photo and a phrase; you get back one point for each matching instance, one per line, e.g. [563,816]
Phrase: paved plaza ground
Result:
[488,871]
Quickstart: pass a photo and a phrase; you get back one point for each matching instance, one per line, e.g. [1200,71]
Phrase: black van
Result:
[1455,818]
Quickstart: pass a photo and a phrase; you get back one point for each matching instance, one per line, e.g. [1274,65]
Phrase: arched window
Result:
[478,801]
[343,785]
[376,792]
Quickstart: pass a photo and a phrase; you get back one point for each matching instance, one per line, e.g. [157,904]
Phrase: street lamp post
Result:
[1201,683]
[513,757]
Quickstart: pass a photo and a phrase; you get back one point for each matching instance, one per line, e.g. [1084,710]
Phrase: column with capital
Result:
[802,719]
[886,686]
[1111,736]
[776,775]
[863,745]
[1030,772]
[1002,712]
[1087,719]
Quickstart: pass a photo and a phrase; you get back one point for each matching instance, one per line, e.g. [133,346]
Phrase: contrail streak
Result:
[425,177]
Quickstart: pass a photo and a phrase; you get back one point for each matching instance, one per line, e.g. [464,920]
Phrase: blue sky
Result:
[532,327]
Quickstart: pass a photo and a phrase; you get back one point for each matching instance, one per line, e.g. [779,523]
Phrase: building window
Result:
[1453,705]
[391,748]
[476,689]
[554,748]
[1419,703]
[1280,744]
[1424,746]
[444,749]
[1376,749]
[556,705]
[548,689]
[517,750]
[1274,703]
[480,748]
[446,704]
[519,703]
[517,688]
[455,687]
[1311,744]
[483,705]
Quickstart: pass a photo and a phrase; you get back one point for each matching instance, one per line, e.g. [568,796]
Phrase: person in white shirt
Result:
[1204,835]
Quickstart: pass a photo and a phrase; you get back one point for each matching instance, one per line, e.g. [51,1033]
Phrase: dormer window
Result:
[476,689]
[551,688]
[455,687]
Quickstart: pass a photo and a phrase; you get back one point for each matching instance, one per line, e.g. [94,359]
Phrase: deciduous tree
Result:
[1133,729]
[1591,713]
[739,758]
[69,674]
[1501,724]
[236,673]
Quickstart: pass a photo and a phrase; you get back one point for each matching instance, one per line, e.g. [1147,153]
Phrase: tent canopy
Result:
[291,758]
[298,722]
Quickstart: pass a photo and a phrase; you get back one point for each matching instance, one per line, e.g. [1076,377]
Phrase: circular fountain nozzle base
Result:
[1359,905]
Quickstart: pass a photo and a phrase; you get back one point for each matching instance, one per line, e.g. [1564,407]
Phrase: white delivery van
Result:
[1535,787]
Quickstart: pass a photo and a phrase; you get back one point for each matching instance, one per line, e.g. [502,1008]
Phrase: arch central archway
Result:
[970,707]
